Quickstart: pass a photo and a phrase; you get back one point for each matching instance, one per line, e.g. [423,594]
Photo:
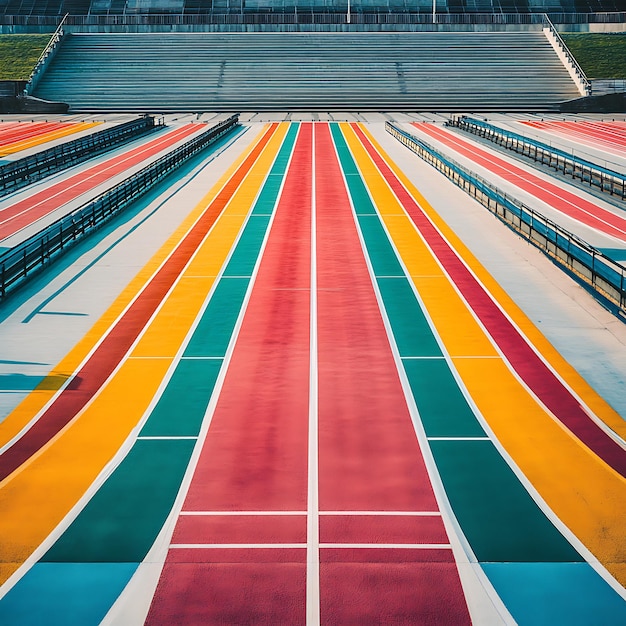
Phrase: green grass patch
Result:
[599,55]
[19,54]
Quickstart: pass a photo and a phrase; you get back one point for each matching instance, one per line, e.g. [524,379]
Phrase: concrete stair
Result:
[454,71]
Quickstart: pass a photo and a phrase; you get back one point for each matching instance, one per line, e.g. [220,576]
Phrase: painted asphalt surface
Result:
[312,405]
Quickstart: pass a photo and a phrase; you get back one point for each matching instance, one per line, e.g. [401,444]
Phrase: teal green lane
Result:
[119,524]
[212,335]
[442,407]
[410,326]
[181,408]
[117,527]
[498,516]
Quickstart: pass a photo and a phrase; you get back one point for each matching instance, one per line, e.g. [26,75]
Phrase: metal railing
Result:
[17,174]
[20,263]
[590,266]
[295,17]
[570,61]
[46,56]
[608,181]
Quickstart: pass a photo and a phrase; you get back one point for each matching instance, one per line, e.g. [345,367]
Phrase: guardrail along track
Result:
[587,264]
[19,264]
[607,180]
[17,174]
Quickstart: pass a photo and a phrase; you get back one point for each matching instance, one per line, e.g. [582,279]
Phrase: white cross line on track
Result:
[286,546]
[296,513]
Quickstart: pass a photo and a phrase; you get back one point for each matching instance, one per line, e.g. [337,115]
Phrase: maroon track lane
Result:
[524,360]
[94,372]
[24,212]
[557,197]
[369,457]
[254,459]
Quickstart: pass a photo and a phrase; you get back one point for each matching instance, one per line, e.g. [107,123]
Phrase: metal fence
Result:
[19,264]
[300,16]
[606,180]
[586,263]
[17,174]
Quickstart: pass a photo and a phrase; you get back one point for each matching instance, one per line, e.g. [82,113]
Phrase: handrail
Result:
[581,260]
[607,180]
[315,17]
[46,56]
[22,172]
[19,264]
[585,86]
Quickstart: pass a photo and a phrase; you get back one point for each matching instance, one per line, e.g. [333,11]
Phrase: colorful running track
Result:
[565,202]
[313,406]
[18,136]
[25,212]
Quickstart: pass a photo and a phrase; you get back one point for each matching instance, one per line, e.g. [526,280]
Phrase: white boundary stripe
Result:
[126,447]
[142,288]
[133,604]
[312,532]
[533,492]
[483,609]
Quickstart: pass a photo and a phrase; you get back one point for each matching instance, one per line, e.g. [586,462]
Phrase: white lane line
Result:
[342,546]
[389,546]
[385,513]
[235,546]
[241,513]
[312,532]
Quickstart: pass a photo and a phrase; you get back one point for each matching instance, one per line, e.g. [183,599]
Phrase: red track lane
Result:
[589,134]
[369,456]
[254,458]
[94,372]
[23,131]
[530,367]
[23,213]
[557,197]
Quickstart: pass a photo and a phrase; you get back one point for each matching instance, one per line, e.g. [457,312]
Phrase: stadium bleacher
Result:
[199,7]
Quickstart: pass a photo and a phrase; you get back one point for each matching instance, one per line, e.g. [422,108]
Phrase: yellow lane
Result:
[36,401]
[52,481]
[586,494]
[31,142]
